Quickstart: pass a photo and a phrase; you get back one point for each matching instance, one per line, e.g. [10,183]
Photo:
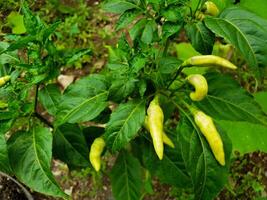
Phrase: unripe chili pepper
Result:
[155,124]
[211,8]
[3,80]
[166,139]
[96,150]
[209,60]
[208,129]
[201,86]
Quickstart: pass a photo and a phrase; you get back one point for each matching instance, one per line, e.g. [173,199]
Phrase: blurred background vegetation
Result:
[85,25]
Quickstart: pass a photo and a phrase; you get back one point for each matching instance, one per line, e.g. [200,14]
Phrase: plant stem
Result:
[176,75]
[167,44]
[42,119]
[36,98]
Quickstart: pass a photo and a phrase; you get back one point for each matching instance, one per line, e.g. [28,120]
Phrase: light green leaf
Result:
[257,6]
[124,124]
[30,155]
[15,20]
[261,98]
[118,6]
[126,180]
[246,137]
[69,145]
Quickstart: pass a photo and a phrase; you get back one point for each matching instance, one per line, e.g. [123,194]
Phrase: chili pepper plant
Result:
[112,104]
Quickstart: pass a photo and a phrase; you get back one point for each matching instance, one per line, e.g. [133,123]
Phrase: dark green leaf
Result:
[50,97]
[31,22]
[207,175]
[201,37]
[148,32]
[21,43]
[169,29]
[137,28]
[138,63]
[121,89]
[69,145]
[171,169]
[168,65]
[4,160]
[124,124]
[126,180]
[126,18]
[249,33]
[48,31]
[30,155]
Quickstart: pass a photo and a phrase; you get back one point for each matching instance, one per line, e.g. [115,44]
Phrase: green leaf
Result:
[9,57]
[258,7]
[4,160]
[30,155]
[50,97]
[15,20]
[49,30]
[121,88]
[138,63]
[261,98]
[31,22]
[249,32]
[69,145]
[147,35]
[83,101]
[124,124]
[246,137]
[126,18]
[226,100]
[21,43]
[169,170]
[137,28]
[169,29]
[172,14]
[201,37]
[207,175]
[77,55]
[126,180]
[168,65]
[118,6]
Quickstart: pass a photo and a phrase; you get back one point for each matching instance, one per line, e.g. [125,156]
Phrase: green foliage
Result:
[112,104]
[247,41]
